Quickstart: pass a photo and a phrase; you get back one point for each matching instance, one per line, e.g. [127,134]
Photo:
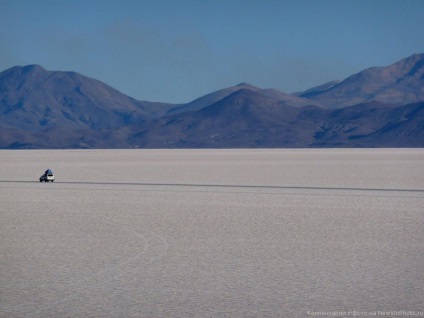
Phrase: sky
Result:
[178,50]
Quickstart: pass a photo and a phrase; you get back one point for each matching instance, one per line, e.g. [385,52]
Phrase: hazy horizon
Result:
[177,51]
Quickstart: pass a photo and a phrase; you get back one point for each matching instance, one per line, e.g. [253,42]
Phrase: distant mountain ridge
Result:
[378,107]
[246,119]
[32,97]
[400,83]
[216,96]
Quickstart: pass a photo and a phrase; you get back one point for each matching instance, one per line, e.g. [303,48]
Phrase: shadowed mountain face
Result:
[373,125]
[400,83]
[44,109]
[247,119]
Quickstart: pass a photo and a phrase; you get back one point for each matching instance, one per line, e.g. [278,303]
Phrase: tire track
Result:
[202,185]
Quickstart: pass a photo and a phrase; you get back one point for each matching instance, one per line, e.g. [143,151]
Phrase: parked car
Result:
[47,176]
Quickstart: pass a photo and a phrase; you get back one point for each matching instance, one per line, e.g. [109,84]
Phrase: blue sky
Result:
[178,50]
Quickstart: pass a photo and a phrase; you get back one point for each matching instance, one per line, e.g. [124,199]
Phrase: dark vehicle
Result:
[47,176]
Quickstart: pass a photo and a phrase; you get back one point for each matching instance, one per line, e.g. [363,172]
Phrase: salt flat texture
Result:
[211,233]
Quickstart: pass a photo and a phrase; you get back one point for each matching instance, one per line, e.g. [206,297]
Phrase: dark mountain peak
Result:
[22,72]
[242,97]
[247,97]
[33,68]
[394,73]
[409,66]
[247,86]
[211,98]
[27,71]
[399,83]
[417,67]
[21,78]
[245,91]
[414,58]
[250,105]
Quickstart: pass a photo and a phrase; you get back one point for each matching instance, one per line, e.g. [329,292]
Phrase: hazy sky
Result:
[178,50]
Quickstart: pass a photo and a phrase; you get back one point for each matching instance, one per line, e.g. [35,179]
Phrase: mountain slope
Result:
[45,109]
[405,128]
[32,98]
[400,83]
[216,96]
[247,119]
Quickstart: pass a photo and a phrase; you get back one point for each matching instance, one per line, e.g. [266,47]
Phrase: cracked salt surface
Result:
[156,233]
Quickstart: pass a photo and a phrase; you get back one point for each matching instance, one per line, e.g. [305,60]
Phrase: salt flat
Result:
[211,233]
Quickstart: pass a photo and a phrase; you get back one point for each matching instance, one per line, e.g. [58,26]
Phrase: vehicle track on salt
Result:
[202,185]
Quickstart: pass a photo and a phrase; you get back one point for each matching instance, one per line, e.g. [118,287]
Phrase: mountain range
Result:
[377,107]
